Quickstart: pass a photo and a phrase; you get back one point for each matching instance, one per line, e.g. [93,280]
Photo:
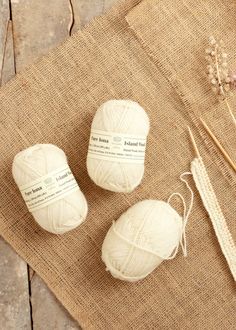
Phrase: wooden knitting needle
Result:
[194,143]
[225,154]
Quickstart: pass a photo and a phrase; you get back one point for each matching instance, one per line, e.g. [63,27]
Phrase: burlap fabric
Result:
[151,52]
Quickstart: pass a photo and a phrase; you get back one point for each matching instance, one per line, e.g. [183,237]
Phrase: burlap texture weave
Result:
[151,52]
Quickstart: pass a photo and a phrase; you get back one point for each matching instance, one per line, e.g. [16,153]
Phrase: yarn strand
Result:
[186,214]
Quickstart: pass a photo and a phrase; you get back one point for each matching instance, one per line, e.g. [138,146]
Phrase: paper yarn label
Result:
[49,188]
[117,147]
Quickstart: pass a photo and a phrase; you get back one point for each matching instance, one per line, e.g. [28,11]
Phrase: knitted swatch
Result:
[216,215]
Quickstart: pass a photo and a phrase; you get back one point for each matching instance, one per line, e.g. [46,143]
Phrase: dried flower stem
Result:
[230,111]
[218,72]
[221,87]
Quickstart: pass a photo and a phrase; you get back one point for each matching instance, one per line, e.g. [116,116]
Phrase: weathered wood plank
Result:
[108,3]
[14,290]
[4,18]
[8,64]
[76,24]
[89,9]
[40,26]
[14,298]
[47,312]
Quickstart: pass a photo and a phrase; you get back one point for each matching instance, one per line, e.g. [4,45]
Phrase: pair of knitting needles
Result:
[218,144]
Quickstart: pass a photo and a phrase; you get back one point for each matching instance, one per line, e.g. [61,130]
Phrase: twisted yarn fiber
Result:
[118,116]
[145,235]
[34,162]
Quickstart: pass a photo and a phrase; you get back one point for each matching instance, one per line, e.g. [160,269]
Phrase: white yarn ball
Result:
[145,235]
[118,116]
[36,161]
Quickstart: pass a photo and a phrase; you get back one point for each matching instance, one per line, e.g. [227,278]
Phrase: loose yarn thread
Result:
[186,214]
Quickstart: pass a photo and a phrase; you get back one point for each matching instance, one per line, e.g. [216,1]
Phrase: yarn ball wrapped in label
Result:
[49,188]
[117,145]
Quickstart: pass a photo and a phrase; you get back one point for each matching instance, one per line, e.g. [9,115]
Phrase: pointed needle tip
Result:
[193,142]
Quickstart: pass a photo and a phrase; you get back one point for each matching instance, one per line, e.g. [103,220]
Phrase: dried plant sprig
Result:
[233,80]
[222,81]
[230,111]
[218,71]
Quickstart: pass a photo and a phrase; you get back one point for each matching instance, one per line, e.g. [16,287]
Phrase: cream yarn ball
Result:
[37,161]
[122,117]
[145,235]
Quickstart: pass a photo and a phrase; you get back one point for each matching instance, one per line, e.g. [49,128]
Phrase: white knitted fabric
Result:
[212,206]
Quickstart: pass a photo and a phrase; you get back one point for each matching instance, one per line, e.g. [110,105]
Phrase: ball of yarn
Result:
[123,117]
[37,161]
[145,235]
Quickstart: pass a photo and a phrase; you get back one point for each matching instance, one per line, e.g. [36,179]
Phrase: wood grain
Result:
[47,313]
[4,18]
[8,62]
[40,26]
[14,289]
[89,9]
[14,297]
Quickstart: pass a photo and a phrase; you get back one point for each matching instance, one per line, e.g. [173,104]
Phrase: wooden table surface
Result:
[29,29]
